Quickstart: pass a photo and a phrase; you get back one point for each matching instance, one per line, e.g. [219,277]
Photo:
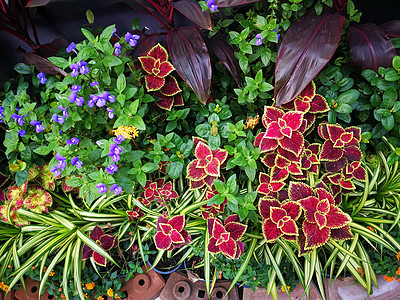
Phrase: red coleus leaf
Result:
[271,114]
[170,86]
[158,52]
[341,234]
[162,241]
[194,173]
[293,119]
[96,233]
[309,206]
[274,131]
[318,105]
[268,144]
[315,237]
[99,259]
[212,246]
[299,190]
[176,237]
[293,209]
[166,102]
[177,222]
[352,153]
[220,154]
[212,169]
[178,100]
[232,218]
[202,151]
[330,153]
[107,241]
[301,57]
[265,205]
[154,83]
[87,252]
[295,144]
[267,187]
[228,248]
[308,92]
[279,175]
[337,218]
[271,231]
[196,184]
[235,229]
[147,63]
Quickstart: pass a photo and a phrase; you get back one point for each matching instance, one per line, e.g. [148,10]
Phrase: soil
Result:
[195,264]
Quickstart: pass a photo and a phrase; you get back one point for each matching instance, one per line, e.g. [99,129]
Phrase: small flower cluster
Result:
[80,67]
[114,188]
[211,5]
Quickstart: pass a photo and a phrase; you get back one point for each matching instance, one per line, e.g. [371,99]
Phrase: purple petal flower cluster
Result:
[102,188]
[259,40]
[18,118]
[211,5]
[131,39]
[115,152]
[75,89]
[115,33]
[21,132]
[1,114]
[94,83]
[38,126]
[119,139]
[64,110]
[72,141]
[116,189]
[112,169]
[42,77]
[101,99]
[80,67]
[278,35]
[76,162]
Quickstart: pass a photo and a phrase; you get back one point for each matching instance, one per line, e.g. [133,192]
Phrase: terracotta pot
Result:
[32,291]
[296,294]
[179,287]
[348,289]
[10,295]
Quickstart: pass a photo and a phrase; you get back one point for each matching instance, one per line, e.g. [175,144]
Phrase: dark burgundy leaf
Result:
[42,64]
[229,3]
[144,44]
[391,28]
[307,46]
[369,47]
[224,52]
[36,3]
[191,60]
[142,6]
[51,49]
[193,12]
[340,5]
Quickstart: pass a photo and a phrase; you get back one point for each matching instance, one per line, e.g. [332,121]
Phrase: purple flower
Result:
[94,83]
[115,149]
[75,87]
[119,139]
[118,48]
[117,189]
[59,157]
[74,68]
[79,101]
[101,101]
[72,96]
[112,169]
[115,33]
[76,162]
[55,171]
[21,132]
[102,188]
[38,126]
[131,39]
[73,141]
[259,39]
[111,98]
[211,5]
[83,68]
[116,158]
[18,118]
[57,119]
[64,110]
[110,113]
[42,77]
[71,47]
[278,35]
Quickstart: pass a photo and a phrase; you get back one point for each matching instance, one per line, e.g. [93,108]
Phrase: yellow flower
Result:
[90,286]
[100,298]
[128,132]
[5,288]
[85,295]
[110,292]
[287,287]
[251,122]
[51,273]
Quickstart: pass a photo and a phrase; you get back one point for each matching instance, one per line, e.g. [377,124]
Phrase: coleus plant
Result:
[224,238]
[159,191]
[188,48]
[206,167]
[158,79]
[171,233]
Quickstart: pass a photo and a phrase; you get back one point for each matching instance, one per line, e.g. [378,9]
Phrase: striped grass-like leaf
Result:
[76,258]
[17,263]
[66,270]
[347,257]
[207,267]
[366,192]
[369,235]
[319,274]
[309,268]
[275,261]
[95,246]
[293,259]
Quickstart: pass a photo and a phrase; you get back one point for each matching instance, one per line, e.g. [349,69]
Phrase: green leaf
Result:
[121,84]
[396,63]
[219,186]
[250,172]
[23,68]
[149,167]
[343,108]
[388,122]
[88,35]
[107,33]
[21,177]
[74,182]
[231,184]
[348,97]
[133,107]
[389,97]
[123,120]
[138,122]
[42,150]
[111,61]
[59,61]
[141,178]
[175,169]
[96,175]
[369,75]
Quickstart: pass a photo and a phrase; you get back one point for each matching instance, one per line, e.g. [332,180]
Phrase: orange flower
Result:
[51,273]
[63,296]
[85,295]
[283,289]
[398,271]
[370,228]
[388,279]
[398,255]
[100,298]
[90,286]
